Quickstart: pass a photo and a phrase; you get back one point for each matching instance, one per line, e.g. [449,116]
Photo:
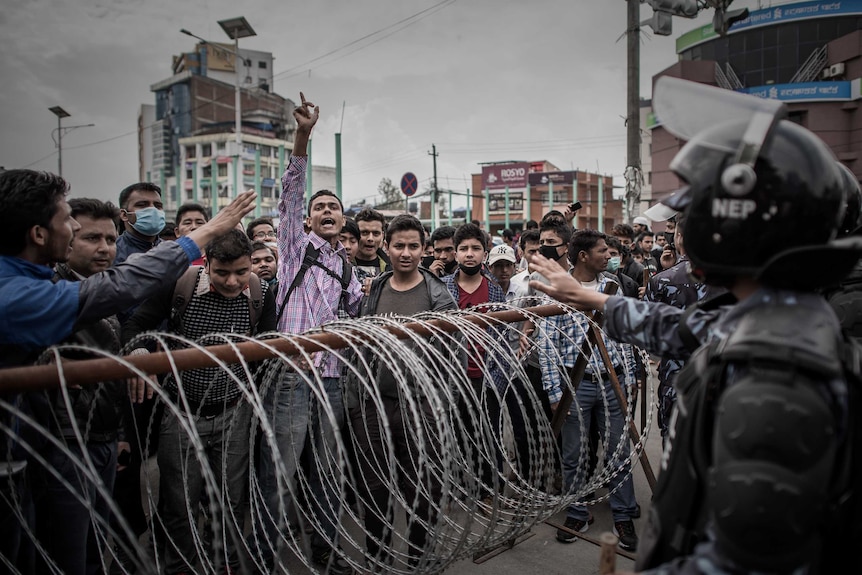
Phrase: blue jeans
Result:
[225,439]
[66,526]
[589,400]
[298,421]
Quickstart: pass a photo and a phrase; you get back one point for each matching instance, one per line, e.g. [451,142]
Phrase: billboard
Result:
[220,59]
[558,178]
[803,91]
[775,15]
[500,176]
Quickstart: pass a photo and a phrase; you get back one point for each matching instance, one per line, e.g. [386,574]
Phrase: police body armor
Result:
[761,450]
[846,300]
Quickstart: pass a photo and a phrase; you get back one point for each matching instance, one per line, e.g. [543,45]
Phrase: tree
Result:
[392,196]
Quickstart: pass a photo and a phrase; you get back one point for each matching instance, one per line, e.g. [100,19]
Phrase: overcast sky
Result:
[484,80]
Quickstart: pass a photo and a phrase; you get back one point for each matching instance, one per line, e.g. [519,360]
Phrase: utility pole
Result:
[434,154]
[633,118]
[61,131]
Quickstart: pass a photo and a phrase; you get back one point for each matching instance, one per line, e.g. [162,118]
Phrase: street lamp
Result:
[61,113]
[235,28]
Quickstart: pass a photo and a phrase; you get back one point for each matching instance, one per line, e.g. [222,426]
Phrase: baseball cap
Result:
[641,221]
[501,252]
[661,212]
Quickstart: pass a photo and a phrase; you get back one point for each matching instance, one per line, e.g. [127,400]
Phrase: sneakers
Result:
[578,525]
[333,565]
[625,530]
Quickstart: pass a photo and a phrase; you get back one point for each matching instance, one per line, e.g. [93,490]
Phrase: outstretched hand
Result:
[563,287]
[226,219]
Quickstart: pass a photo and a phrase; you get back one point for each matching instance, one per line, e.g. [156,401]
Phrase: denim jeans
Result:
[225,439]
[373,432]
[589,400]
[300,423]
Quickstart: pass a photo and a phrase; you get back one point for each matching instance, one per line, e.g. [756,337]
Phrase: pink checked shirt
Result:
[315,301]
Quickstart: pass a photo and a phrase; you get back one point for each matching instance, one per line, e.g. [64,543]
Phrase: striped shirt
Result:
[315,301]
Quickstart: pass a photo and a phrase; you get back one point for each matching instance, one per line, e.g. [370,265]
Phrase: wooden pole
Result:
[608,557]
[618,391]
[31,378]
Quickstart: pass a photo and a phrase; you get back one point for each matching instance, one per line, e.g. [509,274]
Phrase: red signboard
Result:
[499,176]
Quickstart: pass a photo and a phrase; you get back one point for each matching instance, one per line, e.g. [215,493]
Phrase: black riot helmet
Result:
[852,202]
[763,195]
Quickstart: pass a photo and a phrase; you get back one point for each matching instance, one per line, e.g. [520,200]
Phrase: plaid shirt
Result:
[560,338]
[315,301]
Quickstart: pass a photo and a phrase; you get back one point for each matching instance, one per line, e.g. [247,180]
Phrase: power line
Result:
[404,23]
[395,27]
[39,160]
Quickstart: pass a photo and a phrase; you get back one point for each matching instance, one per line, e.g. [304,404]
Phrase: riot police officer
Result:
[760,470]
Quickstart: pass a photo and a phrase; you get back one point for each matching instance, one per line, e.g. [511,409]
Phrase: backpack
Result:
[311,258]
[185,289]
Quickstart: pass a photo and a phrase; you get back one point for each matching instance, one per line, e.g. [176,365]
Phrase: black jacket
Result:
[97,409]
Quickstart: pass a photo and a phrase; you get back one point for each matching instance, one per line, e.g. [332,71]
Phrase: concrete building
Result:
[508,194]
[187,142]
[217,61]
[807,54]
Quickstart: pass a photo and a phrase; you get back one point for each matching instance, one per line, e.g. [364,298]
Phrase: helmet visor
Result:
[686,109]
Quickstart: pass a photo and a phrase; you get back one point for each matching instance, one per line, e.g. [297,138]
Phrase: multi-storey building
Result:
[807,54]
[187,143]
[508,194]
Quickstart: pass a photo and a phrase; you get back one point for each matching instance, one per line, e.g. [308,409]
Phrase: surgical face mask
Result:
[149,221]
[668,236]
[450,267]
[550,252]
[614,263]
[470,270]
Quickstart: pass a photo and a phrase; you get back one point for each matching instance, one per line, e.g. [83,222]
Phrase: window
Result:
[798,116]
[191,151]
[261,65]
[190,195]
[265,151]
[207,171]
[221,147]
[222,170]
[190,174]
[206,150]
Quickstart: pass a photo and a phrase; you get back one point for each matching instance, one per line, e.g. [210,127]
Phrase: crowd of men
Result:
[68,276]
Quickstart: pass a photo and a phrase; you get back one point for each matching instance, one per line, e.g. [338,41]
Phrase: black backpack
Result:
[311,258]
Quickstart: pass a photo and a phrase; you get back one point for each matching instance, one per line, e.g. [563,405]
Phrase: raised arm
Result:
[291,204]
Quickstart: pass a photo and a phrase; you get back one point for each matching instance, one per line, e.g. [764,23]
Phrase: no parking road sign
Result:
[409,184]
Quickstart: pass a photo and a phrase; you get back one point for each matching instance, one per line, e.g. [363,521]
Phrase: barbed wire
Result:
[407,467]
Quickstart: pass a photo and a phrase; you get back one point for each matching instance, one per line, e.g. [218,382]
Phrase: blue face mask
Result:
[149,221]
[614,263]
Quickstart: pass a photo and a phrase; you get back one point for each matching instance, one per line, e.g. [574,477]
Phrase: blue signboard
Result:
[774,15]
[803,92]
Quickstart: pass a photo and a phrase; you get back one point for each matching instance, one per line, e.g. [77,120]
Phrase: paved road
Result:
[543,554]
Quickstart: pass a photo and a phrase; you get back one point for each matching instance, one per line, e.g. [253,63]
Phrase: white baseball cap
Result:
[661,212]
[501,252]
[641,221]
